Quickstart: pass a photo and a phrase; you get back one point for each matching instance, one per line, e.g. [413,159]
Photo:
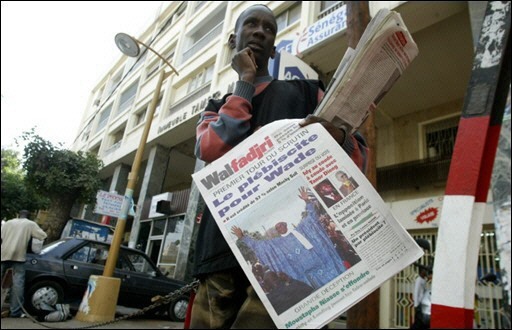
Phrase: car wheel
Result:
[178,309]
[44,292]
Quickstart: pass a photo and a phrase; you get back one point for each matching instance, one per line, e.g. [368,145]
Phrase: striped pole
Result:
[456,259]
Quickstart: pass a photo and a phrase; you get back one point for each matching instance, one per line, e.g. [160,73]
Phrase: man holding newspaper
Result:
[225,297]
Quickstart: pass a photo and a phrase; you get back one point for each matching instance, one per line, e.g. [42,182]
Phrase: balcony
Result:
[201,43]
[413,174]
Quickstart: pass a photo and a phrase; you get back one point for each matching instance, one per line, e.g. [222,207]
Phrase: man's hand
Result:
[237,232]
[337,133]
[244,63]
[303,194]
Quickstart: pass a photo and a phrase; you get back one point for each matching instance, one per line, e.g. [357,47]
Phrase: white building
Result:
[416,122]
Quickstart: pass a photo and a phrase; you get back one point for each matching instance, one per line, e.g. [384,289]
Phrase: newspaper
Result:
[311,233]
[366,74]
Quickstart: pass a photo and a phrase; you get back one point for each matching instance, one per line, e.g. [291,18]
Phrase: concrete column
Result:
[185,259]
[151,185]
[120,179]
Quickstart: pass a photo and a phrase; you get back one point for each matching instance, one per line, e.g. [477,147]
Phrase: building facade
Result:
[416,122]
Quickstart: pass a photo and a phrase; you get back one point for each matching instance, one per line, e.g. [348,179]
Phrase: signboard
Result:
[288,67]
[323,29]
[423,213]
[108,203]
[87,229]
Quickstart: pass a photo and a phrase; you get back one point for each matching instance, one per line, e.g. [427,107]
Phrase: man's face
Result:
[342,177]
[326,189]
[257,30]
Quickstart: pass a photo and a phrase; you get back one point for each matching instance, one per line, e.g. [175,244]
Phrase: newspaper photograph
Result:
[309,230]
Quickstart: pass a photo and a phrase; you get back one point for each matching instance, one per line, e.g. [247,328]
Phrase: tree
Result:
[63,176]
[15,194]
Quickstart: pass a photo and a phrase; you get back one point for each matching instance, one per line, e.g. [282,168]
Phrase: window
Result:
[140,263]
[181,10]
[199,4]
[87,131]
[127,98]
[115,140]
[151,69]
[114,82]
[139,60]
[117,136]
[95,150]
[440,137]
[201,36]
[98,96]
[140,116]
[91,253]
[203,77]
[327,4]
[171,244]
[159,103]
[327,7]
[288,17]
[103,120]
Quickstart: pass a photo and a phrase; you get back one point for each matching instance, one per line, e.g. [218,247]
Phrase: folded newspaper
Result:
[367,73]
[311,233]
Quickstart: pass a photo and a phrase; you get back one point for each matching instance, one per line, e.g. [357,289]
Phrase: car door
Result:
[139,280]
[83,262]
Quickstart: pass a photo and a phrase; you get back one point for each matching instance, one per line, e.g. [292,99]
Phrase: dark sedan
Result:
[62,270]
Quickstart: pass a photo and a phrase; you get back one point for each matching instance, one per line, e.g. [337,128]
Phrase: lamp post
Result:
[99,302]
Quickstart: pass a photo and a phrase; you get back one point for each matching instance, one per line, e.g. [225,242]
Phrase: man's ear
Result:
[273,52]
[232,41]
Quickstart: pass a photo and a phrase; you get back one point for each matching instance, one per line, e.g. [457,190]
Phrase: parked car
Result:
[60,274]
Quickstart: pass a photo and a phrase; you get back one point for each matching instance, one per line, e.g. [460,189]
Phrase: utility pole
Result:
[467,187]
[365,314]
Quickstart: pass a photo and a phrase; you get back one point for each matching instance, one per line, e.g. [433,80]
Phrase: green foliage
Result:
[60,173]
[15,194]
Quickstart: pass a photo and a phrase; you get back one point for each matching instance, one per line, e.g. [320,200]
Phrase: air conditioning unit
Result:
[160,205]
[96,102]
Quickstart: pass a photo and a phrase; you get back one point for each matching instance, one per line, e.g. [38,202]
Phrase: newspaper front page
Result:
[309,230]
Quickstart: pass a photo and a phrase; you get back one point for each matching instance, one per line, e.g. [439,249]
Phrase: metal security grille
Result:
[489,294]
[440,137]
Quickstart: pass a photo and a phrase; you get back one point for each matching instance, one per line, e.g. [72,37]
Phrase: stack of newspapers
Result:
[367,73]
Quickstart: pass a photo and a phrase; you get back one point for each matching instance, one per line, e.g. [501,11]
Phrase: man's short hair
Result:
[243,12]
[24,214]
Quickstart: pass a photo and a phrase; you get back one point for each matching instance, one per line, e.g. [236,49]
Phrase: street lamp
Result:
[98,303]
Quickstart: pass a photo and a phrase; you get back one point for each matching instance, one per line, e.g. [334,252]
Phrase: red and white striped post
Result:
[456,259]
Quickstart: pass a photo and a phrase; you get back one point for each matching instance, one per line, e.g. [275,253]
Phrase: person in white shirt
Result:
[16,234]
[420,289]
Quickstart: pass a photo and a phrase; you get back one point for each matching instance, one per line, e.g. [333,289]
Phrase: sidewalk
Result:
[139,322]
[26,323]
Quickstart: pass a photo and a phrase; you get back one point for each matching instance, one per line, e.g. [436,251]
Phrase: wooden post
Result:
[365,314]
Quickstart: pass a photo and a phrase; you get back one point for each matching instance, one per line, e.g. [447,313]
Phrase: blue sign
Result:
[293,72]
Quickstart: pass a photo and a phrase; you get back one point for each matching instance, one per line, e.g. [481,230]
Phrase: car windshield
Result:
[51,246]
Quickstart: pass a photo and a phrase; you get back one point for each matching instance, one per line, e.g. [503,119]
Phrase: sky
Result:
[53,55]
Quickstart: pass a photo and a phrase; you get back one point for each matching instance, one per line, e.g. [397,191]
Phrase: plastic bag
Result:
[35,245]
